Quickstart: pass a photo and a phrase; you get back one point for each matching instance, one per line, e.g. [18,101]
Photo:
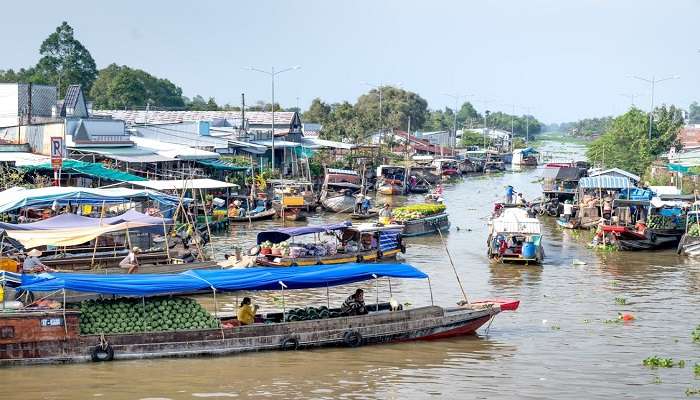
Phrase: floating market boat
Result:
[343,243]
[146,326]
[293,199]
[340,190]
[422,219]
[254,216]
[391,179]
[446,167]
[690,242]
[515,237]
[422,178]
[526,157]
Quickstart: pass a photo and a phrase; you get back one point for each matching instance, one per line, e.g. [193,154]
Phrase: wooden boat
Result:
[293,199]
[525,157]
[347,243]
[371,214]
[446,167]
[262,215]
[391,180]
[690,241]
[422,178]
[427,225]
[340,190]
[515,237]
[629,239]
[54,336]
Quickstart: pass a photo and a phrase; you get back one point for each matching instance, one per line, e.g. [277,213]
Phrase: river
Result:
[562,343]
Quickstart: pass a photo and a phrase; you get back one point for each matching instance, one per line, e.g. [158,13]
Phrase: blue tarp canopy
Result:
[636,194]
[282,234]
[18,197]
[228,280]
[604,182]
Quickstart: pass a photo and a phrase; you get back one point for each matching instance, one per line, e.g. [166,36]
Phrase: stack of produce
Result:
[694,230]
[662,222]
[131,316]
[417,211]
[310,313]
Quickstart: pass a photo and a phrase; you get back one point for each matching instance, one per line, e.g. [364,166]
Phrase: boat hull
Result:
[426,226]
[340,258]
[689,246]
[267,214]
[424,323]
[339,204]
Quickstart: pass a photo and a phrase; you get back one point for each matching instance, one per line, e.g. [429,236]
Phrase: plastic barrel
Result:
[528,250]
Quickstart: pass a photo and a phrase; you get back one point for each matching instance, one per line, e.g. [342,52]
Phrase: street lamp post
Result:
[379,89]
[653,81]
[272,73]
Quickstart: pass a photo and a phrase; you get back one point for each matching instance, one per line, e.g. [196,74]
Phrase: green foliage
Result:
[626,144]
[64,61]
[471,138]
[318,111]
[695,334]
[397,106]
[243,161]
[122,87]
[657,362]
[10,177]
[586,127]
[199,104]
[621,301]
[694,113]
[522,125]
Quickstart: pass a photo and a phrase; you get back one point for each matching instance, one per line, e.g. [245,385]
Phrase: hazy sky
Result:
[566,59]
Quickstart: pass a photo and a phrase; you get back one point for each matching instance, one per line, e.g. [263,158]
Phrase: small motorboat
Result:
[254,216]
[514,236]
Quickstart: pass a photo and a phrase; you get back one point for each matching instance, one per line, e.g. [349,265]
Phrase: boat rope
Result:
[447,250]
[488,327]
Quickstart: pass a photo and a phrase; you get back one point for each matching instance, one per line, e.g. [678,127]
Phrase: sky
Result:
[561,60]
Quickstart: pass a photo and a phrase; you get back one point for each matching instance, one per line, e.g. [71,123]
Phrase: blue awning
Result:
[223,165]
[282,234]
[228,280]
[604,182]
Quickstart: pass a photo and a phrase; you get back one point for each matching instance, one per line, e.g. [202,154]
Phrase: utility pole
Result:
[653,81]
[241,129]
[29,105]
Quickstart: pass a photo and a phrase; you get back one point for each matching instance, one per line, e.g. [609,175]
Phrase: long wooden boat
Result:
[349,243]
[267,214]
[340,190]
[54,336]
[391,180]
[371,214]
[628,239]
[427,225]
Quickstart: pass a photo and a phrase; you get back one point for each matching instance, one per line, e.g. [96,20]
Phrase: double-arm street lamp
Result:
[272,73]
[653,81]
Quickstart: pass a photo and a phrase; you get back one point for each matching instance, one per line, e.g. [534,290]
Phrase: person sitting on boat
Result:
[366,204]
[359,198]
[509,194]
[385,215]
[32,264]
[237,260]
[641,227]
[520,200]
[131,261]
[246,312]
[354,304]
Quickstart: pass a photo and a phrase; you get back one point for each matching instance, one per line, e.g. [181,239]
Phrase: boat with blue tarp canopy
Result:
[229,280]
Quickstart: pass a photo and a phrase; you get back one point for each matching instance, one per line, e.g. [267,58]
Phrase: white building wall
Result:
[9,104]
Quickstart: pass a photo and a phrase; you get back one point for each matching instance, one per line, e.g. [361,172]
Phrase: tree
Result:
[123,87]
[397,106]
[694,113]
[64,61]
[467,113]
[626,143]
[318,111]
[471,138]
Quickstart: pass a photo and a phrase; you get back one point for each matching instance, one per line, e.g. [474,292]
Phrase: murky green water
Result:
[557,345]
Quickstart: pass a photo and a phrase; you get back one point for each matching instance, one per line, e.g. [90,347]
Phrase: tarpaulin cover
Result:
[222,280]
[567,174]
[87,168]
[282,234]
[223,165]
[14,198]
[604,182]
[636,194]
[71,229]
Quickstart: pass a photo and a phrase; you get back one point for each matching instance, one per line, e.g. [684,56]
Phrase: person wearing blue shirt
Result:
[509,194]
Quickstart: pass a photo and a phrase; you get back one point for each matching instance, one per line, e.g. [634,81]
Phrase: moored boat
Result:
[391,180]
[293,199]
[446,167]
[60,336]
[255,216]
[343,243]
[422,219]
[526,157]
[690,242]
[514,236]
[340,190]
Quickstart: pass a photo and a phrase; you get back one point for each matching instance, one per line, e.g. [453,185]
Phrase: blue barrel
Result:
[528,250]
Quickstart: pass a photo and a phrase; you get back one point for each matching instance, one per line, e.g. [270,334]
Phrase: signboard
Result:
[57,152]
[48,322]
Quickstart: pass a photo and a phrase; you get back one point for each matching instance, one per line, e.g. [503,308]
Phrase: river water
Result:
[562,343]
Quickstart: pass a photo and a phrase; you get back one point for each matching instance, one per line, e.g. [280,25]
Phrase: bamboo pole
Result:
[459,281]
[206,221]
[94,250]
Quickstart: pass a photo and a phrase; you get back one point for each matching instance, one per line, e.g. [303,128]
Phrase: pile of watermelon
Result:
[133,316]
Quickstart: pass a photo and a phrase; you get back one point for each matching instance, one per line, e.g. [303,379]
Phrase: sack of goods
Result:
[133,315]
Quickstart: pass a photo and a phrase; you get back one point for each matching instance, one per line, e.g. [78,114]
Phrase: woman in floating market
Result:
[246,312]
[32,264]
[385,215]
[131,261]
[354,304]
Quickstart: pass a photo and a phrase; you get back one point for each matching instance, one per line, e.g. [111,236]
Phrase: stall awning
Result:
[183,184]
[227,280]
[18,197]
[282,234]
[223,165]
[127,154]
[568,174]
[96,170]
[604,182]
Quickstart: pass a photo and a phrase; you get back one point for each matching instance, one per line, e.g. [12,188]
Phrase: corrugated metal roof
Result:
[156,117]
[604,182]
